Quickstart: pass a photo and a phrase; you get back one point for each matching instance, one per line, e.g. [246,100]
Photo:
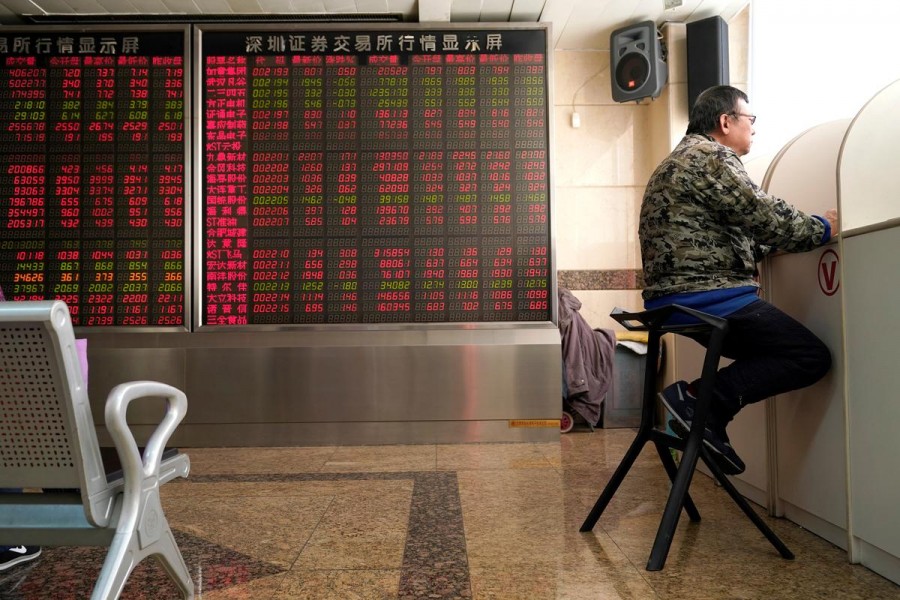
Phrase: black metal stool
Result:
[653,322]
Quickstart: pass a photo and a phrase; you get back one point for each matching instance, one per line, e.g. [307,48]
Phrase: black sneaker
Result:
[680,403]
[722,451]
[18,555]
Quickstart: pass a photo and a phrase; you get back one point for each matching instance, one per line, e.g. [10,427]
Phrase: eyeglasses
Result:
[751,117]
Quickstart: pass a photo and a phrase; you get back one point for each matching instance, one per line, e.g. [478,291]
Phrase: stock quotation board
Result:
[92,173]
[376,176]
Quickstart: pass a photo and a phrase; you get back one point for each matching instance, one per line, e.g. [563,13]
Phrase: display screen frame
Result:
[185,31]
[199,130]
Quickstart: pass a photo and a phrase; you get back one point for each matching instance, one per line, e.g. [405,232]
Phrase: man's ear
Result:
[724,125]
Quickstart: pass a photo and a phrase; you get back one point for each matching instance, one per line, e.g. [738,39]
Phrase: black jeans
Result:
[772,354]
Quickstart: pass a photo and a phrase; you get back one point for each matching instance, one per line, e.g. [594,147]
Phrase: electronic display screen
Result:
[382,176]
[92,173]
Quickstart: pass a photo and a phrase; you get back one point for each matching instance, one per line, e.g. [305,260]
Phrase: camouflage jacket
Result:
[704,224]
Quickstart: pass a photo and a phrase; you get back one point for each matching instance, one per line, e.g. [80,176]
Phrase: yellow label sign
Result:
[534,423]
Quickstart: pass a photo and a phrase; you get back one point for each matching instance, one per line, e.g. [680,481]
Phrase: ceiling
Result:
[576,24]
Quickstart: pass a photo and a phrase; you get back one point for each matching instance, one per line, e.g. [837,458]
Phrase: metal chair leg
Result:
[672,470]
[745,506]
[615,481]
[676,500]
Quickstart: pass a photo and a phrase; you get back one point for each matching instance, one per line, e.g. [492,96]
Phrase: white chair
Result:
[48,440]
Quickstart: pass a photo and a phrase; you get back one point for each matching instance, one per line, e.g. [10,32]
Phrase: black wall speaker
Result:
[637,63]
[707,56]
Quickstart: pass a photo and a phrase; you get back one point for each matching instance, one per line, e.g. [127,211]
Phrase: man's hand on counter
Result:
[831,215]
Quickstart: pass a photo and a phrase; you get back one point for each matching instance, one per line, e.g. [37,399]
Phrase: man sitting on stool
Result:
[703,227]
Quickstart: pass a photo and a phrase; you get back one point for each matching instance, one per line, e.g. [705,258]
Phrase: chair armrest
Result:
[135,467]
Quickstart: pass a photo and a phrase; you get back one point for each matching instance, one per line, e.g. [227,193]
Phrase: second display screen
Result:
[375,177]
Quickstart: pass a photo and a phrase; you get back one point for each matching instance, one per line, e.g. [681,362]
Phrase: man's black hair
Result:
[712,102]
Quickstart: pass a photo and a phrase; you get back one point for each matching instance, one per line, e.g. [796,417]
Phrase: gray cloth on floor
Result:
[588,358]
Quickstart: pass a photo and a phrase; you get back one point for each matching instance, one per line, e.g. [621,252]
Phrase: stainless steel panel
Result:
[355,385]
[108,367]
[367,384]
[350,433]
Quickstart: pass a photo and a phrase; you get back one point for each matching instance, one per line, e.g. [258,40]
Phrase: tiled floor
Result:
[453,521]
